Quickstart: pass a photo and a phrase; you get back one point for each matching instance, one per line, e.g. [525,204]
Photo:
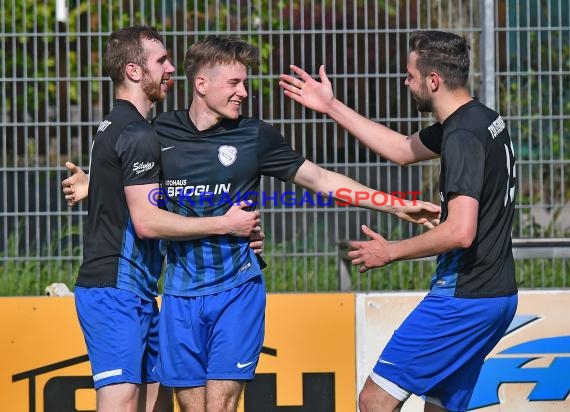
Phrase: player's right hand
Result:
[420,212]
[242,223]
[309,92]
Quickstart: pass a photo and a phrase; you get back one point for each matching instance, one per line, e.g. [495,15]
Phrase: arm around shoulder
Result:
[151,222]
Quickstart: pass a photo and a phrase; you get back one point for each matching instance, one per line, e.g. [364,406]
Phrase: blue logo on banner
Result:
[552,383]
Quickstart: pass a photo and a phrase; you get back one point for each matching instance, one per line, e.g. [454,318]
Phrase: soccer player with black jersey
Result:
[212,314]
[116,286]
[439,350]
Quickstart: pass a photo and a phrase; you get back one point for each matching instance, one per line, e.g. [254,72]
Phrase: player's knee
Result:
[364,400]
[223,395]
[221,404]
[122,396]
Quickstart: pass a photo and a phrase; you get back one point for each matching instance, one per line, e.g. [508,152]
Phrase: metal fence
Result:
[54,94]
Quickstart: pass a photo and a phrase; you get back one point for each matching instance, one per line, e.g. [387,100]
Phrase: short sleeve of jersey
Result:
[432,136]
[139,151]
[276,157]
[464,158]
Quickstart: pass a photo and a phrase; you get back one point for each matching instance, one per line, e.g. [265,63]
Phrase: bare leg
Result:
[154,397]
[191,399]
[223,396]
[373,398]
[430,407]
[121,397]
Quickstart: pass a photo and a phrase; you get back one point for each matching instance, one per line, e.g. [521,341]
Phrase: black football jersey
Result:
[125,152]
[204,173]
[477,160]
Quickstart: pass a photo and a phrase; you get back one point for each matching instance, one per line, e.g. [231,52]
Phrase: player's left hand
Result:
[256,241]
[420,212]
[371,253]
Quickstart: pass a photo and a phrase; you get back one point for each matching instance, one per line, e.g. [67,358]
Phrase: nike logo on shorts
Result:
[164,149]
[243,365]
[386,362]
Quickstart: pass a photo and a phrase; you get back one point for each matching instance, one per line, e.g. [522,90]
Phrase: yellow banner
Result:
[43,356]
[308,358]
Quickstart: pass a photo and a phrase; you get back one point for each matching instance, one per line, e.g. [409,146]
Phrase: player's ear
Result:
[133,71]
[433,81]
[200,84]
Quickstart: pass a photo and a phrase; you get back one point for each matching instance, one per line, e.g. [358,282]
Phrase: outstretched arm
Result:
[149,223]
[458,231]
[349,192]
[319,96]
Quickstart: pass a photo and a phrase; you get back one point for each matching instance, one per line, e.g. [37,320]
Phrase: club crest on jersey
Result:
[227,155]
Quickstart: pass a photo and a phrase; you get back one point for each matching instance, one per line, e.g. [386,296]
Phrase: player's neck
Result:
[139,100]
[202,117]
[447,104]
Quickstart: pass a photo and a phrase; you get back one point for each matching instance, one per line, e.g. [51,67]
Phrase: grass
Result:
[57,261]
[306,264]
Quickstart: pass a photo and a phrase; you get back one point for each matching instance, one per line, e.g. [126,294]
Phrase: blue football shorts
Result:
[121,334]
[212,337]
[439,349]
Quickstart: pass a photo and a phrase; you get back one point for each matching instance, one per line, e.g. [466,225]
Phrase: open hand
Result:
[420,212]
[371,253]
[306,90]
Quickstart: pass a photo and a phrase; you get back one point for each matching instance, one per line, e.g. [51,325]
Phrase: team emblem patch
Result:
[227,155]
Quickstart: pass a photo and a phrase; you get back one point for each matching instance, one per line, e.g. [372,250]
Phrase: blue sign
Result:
[552,383]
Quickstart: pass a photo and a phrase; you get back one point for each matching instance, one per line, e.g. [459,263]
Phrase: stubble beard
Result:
[423,104]
[152,89]
[423,101]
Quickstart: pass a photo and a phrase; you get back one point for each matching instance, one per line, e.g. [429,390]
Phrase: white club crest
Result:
[227,155]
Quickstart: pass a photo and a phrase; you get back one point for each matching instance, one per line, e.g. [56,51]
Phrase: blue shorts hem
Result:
[115,381]
[171,384]
[229,377]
